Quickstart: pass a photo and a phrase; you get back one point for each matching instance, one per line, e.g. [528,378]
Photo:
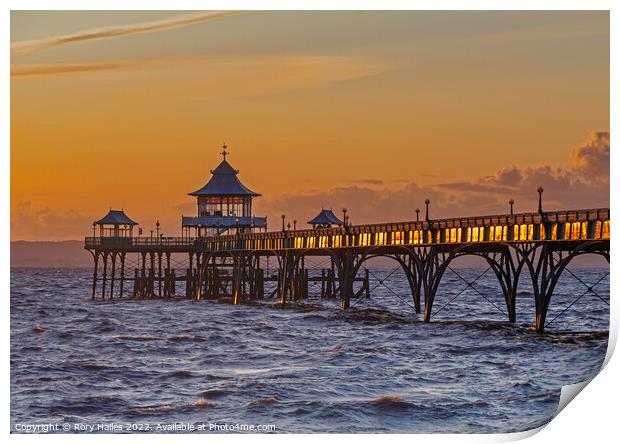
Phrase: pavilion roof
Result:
[224,182]
[326,216]
[115,217]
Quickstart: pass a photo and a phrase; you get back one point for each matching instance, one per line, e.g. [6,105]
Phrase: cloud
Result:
[565,188]
[29,46]
[368,181]
[591,160]
[73,68]
[45,223]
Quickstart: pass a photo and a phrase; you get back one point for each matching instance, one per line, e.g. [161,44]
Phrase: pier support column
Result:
[345,278]
[159,274]
[105,275]
[431,265]
[113,275]
[507,270]
[284,280]
[237,276]
[96,259]
[122,275]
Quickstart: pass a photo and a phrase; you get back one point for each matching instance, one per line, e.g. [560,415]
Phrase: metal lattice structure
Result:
[540,245]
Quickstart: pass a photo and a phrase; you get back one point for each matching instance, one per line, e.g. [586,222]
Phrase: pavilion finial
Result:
[224,152]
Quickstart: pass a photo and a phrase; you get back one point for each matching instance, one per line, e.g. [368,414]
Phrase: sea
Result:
[179,366]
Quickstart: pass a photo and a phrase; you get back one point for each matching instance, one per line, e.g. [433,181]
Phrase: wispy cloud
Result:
[69,68]
[29,46]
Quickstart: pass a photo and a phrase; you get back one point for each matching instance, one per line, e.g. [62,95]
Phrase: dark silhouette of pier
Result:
[539,245]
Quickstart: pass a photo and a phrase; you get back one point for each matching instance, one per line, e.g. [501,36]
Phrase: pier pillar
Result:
[143,264]
[105,275]
[136,283]
[345,279]
[159,254]
[122,275]
[113,275]
[96,259]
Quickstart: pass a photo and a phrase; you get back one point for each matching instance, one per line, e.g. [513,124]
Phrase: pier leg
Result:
[136,283]
[96,258]
[122,275]
[113,275]
[169,276]
[236,277]
[143,264]
[105,275]
[159,294]
[346,279]
[285,276]
[151,290]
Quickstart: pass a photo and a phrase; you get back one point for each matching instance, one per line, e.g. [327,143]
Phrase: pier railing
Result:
[553,226]
[124,242]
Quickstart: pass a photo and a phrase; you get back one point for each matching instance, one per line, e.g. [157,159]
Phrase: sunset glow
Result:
[376,112]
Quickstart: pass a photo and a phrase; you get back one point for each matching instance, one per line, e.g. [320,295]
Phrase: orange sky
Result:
[369,110]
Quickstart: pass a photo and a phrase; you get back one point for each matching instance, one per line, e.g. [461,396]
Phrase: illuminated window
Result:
[397,238]
[567,230]
[575,230]
[474,234]
[336,241]
[453,235]
[554,232]
[380,238]
[584,230]
[543,233]
[416,237]
[605,230]
[364,239]
[597,229]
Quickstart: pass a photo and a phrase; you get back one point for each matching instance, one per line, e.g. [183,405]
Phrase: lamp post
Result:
[94,227]
[511,202]
[344,217]
[288,226]
[157,227]
[417,215]
[427,201]
[540,191]
[283,217]
[294,224]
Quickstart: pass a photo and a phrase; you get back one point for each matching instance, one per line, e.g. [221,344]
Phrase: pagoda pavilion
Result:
[114,224]
[224,205]
[325,219]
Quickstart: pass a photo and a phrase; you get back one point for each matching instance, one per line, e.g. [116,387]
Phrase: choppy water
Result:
[308,368]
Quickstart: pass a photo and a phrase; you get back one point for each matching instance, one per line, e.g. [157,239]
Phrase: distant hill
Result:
[47,254]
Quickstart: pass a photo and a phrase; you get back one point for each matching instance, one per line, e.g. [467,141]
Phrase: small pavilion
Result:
[224,205]
[115,224]
[325,219]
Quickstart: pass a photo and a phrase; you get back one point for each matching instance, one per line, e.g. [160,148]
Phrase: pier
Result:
[226,252]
